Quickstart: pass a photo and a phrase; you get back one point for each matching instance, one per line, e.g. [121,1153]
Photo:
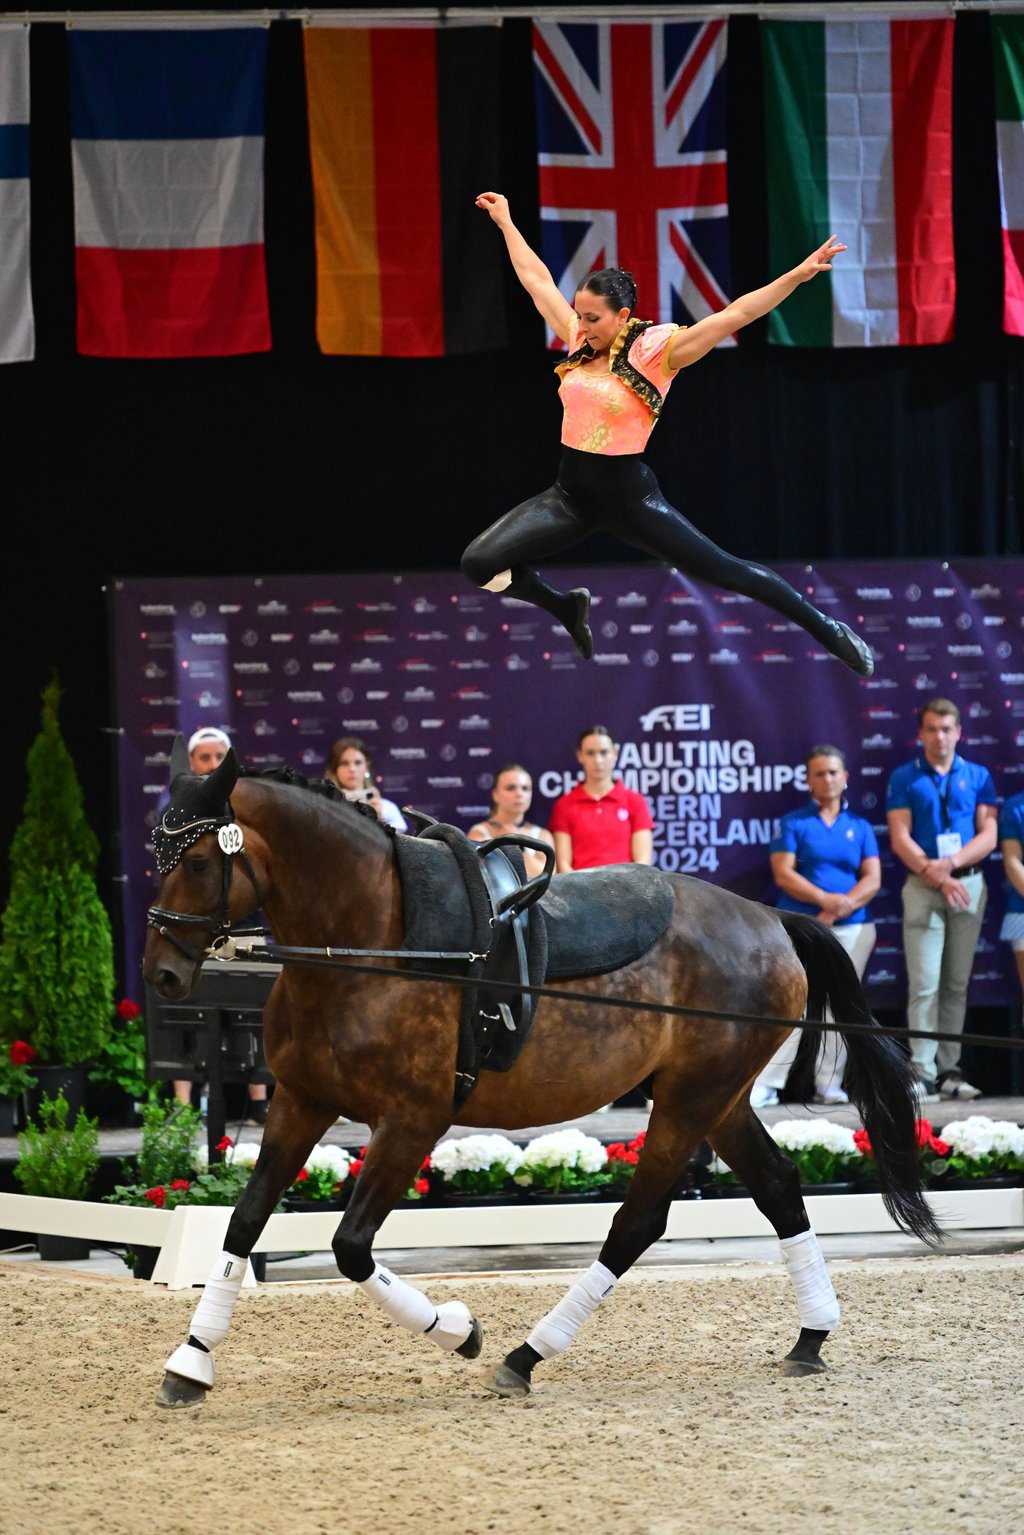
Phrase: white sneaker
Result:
[764,1097]
[924,1092]
[953,1085]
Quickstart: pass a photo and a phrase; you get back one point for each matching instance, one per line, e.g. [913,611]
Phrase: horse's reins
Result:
[327,957]
[225,947]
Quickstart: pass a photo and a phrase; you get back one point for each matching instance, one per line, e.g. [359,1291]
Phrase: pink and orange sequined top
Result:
[615,412]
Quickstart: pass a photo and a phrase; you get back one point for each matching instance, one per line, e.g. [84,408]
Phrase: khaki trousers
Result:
[939,943]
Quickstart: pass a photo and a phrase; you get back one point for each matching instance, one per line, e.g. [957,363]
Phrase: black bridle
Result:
[217,923]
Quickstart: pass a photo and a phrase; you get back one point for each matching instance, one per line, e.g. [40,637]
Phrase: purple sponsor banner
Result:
[713,699]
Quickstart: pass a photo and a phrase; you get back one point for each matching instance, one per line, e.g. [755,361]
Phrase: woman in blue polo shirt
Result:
[1011,841]
[825,863]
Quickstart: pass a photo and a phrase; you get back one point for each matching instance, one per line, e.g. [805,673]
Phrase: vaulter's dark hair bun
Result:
[614,284]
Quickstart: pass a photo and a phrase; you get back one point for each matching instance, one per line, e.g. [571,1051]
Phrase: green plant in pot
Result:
[58,1161]
[56,956]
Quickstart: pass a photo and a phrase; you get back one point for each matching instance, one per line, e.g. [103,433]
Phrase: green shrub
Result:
[56,958]
[169,1140]
[54,1161]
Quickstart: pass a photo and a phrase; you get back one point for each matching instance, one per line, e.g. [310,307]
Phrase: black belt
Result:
[965,873]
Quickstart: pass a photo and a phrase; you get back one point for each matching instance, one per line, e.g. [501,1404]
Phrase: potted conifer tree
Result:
[56,954]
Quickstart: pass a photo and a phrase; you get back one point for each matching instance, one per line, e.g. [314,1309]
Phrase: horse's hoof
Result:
[474,1343]
[794,1368]
[505,1382]
[176,1391]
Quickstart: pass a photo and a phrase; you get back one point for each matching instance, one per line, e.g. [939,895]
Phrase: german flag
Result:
[403,128]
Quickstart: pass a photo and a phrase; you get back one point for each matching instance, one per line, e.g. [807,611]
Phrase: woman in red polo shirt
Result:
[600,821]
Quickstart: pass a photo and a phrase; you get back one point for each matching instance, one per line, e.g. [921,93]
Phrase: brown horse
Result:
[384,1051]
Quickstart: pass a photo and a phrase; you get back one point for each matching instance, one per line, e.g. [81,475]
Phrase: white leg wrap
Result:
[817,1302]
[554,1332]
[191,1362]
[499,583]
[213,1314]
[404,1304]
[453,1326]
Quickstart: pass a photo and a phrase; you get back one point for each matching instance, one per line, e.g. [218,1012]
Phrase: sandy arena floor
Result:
[668,1417]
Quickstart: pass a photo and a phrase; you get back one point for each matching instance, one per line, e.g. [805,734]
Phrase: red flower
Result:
[303,1175]
[940,1148]
[637,1143]
[616,1151]
[862,1141]
[924,1132]
[127,1009]
[22,1053]
[425,1165]
[157,1196]
[422,1185]
[180,1185]
[225,1143]
[355,1167]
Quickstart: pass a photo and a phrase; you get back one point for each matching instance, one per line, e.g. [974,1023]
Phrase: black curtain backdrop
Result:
[293,461]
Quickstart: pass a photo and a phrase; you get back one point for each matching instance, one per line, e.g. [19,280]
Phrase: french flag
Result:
[167,150]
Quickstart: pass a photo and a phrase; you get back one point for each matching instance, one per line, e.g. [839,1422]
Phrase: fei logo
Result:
[678,717]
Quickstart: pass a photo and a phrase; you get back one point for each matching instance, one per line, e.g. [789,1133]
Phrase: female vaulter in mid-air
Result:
[613,385]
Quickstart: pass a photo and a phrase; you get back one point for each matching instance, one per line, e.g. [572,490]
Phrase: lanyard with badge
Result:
[947,842]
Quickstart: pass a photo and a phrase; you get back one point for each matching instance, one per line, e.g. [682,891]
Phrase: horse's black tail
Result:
[879,1075]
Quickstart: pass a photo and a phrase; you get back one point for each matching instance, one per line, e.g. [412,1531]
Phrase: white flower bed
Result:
[331,1159]
[562,1148]
[475,1154]
[980,1136]
[798,1134]
[821,1150]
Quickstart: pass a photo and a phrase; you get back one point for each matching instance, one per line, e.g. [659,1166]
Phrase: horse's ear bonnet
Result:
[198,804]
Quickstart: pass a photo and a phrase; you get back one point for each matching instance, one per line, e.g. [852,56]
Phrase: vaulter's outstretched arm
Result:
[529,268]
[689,346]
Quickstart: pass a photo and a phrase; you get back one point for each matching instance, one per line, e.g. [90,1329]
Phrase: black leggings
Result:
[620,494]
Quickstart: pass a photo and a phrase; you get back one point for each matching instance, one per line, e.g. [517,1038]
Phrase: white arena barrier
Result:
[191,1237]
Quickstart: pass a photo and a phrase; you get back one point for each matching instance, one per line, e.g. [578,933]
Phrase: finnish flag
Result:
[17,327]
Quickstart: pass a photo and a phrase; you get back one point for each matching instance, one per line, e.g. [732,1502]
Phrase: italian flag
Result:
[1008,42]
[858,118]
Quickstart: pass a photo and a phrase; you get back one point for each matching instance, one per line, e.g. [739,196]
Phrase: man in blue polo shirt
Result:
[942,819]
[825,863]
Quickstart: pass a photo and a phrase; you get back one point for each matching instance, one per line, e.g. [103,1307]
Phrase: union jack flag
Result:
[632,161]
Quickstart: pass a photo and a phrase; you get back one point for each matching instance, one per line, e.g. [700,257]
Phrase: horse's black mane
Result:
[321,786]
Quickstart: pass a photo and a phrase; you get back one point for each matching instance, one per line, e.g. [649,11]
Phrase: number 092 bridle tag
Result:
[230,838]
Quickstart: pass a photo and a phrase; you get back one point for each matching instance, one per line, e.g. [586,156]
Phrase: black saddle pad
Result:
[597,919]
[601,919]
[435,905]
